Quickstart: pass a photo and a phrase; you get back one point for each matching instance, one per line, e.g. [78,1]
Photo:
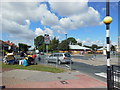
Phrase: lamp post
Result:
[66,40]
[66,36]
[107,21]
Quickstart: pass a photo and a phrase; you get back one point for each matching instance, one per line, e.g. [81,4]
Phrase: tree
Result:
[80,44]
[87,46]
[71,40]
[38,41]
[23,47]
[54,44]
[64,45]
[41,48]
[94,47]
[112,48]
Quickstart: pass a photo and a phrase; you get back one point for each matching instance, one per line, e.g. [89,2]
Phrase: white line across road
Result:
[104,75]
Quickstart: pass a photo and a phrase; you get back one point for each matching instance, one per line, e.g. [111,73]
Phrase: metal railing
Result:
[115,77]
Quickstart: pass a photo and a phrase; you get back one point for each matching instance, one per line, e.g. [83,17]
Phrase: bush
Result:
[90,52]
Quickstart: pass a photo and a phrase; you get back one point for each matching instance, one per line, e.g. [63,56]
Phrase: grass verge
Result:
[35,67]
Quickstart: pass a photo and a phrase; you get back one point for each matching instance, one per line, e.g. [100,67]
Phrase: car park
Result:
[60,58]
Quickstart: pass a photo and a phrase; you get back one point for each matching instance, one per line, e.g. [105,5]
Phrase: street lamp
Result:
[66,35]
[66,40]
[107,21]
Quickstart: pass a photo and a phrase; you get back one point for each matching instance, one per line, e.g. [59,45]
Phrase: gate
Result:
[115,77]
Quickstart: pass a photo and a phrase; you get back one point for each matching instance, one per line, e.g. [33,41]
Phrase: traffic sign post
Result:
[46,39]
[47,42]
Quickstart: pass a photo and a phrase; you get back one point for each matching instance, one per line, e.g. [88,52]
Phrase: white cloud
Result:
[49,19]
[15,29]
[89,42]
[78,40]
[69,8]
[39,31]
[77,15]
[16,19]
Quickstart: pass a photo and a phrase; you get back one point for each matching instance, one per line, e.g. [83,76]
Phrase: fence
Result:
[115,77]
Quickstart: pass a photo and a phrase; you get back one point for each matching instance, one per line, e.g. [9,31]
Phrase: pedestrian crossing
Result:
[104,75]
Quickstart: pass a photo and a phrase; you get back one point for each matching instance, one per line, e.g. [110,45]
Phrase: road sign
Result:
[46,39]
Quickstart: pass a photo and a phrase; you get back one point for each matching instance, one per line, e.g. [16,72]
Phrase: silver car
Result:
[60,58]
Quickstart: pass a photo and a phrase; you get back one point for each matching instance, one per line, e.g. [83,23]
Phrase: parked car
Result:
[60,58]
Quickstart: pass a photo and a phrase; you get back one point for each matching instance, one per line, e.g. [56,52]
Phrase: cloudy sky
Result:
[23,21]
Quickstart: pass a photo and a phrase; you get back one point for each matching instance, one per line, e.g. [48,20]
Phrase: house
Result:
[76,49]
[7,45]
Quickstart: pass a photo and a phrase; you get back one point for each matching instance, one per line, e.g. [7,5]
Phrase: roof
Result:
[78,47]
[102,49]
[7,43]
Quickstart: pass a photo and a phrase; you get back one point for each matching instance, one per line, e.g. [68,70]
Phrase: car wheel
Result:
[59,62]
[48,61]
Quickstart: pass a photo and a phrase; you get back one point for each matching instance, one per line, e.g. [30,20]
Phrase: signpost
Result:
[46,41]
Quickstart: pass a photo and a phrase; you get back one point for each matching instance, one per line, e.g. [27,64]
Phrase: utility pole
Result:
[107,21]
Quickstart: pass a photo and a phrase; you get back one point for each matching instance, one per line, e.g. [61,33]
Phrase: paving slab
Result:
[39,75]
[39,79]
[21,74]
[83,82]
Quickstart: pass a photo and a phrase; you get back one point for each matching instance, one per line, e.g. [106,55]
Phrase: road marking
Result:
[104,75]
[67,65]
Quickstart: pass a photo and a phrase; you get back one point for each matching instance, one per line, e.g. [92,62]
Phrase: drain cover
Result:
[59,77]
[64,82]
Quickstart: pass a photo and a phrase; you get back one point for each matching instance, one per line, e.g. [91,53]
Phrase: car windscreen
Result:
[67,55]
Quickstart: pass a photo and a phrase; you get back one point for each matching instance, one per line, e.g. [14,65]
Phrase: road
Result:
[95,69]
[85,68]
[90,69]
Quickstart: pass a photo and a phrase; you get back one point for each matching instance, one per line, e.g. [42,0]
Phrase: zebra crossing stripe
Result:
[104,75]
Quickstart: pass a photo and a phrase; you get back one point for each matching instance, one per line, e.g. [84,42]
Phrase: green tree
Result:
[87,46]
[54,44]
[23,47]
[41,48]
[80,44]
[94,47]
[71,40]
[112,48]
[64,45]
[38,41]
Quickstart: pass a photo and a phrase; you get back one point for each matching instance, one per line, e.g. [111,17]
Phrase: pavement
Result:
[39,79]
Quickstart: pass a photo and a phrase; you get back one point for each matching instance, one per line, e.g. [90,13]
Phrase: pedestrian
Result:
[25,63]
[34,56]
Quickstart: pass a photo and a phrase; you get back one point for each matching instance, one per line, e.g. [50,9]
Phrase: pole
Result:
[46,51]
[66,36]
[109,85]
[66,42]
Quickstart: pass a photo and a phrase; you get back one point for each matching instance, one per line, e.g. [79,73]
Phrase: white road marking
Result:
[104,75]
